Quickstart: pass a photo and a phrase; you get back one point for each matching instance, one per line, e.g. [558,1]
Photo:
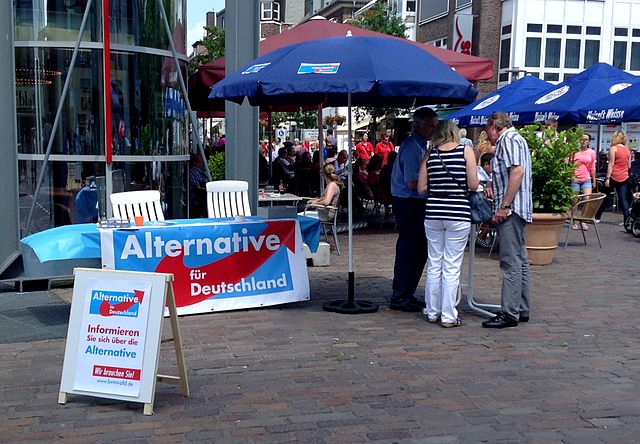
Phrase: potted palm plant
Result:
[553,197]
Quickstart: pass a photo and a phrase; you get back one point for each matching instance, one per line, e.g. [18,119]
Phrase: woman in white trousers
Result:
[447,174]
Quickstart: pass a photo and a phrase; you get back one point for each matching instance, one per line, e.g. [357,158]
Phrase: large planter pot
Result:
[542,236]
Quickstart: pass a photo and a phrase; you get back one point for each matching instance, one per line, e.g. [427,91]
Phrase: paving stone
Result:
[297,373]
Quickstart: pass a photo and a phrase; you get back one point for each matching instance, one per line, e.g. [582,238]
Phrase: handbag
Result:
[481,208]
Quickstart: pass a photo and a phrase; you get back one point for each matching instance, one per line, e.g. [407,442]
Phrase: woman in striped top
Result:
[447,173]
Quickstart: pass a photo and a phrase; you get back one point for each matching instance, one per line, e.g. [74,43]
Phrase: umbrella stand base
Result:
[350,307]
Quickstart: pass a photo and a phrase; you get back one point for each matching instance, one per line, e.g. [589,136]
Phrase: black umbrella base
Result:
[350,307]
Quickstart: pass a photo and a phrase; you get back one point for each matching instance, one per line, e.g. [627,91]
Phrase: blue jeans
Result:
[623,190]
[411,247]
[514,265]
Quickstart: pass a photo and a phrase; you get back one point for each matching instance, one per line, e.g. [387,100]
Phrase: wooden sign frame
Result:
[161,294]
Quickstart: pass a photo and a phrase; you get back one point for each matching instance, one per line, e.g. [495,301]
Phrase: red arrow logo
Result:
[106,309]
[229,269]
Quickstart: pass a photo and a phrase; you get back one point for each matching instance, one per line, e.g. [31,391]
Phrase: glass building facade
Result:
[148,115]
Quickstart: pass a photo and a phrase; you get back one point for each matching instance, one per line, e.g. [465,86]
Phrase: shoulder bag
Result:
[480,206]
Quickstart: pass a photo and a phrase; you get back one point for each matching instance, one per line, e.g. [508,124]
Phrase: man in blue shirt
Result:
[408,207]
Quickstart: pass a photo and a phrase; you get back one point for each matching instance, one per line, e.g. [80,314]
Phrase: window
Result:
[635,57]
[462,3]
[532,52]
[430,9]
[567,76]
[503,77]
[572,29]
[411,6]
[591,52]
[636,33]
[270,11]
[439,43]
[621,32]
[551,76]
[505,53]
[572,54]
[593,30]
[552,54]
[554,29]
[620,55]
[506,30]
[534,27]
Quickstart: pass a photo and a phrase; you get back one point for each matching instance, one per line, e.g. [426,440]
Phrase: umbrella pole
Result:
[350,306]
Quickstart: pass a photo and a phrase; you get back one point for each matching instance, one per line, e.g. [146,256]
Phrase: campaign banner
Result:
[110,351]
[216,266]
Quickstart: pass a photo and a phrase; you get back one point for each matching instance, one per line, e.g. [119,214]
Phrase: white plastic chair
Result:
[130,204]
[228,198]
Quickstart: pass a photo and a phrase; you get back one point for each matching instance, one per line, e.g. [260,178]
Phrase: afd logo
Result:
[318,68]
[116,303]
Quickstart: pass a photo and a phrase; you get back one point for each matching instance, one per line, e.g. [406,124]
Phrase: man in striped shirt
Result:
[511,190]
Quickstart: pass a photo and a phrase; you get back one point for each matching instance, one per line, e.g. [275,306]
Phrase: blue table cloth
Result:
[82,241]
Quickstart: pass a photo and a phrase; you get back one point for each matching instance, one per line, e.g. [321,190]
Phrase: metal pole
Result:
[56,121]
[320,146]
[192,116]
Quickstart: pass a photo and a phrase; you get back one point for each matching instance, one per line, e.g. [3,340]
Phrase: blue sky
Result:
[196,17]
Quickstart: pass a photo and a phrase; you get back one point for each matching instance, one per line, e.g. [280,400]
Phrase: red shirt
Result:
[620,171]
[383,149]
[365,150]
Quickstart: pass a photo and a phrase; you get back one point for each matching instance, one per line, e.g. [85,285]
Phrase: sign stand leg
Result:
[62,398]
[177,340]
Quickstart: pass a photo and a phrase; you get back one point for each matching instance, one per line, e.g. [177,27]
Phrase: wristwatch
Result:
[506,207]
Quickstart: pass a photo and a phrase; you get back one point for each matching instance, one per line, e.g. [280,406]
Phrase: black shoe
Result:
[523,318]
[501,320]
[405,305]
[418,302]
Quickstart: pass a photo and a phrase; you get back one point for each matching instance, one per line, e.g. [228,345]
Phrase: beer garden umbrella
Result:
[477,113]
[346,71]
[623,106]
[563,101]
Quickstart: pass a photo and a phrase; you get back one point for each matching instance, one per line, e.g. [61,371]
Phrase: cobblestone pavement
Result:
[297,373]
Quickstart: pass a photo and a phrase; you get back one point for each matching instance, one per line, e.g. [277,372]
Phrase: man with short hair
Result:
[409,207]
[512,203]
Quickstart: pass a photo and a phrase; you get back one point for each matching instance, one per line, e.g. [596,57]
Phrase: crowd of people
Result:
[437,168]
[427,182]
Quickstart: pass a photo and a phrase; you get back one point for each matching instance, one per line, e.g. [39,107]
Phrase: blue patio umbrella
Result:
[563,100]
[623,106]
[346,71]
[476,113]
[375,71]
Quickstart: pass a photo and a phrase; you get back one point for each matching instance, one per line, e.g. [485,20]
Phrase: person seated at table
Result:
[385,180]
[282,171]
[343,158]
[362,189]
[197,186]
[484,170]
[330,197]
[373,177]
[87,202]
[304,176]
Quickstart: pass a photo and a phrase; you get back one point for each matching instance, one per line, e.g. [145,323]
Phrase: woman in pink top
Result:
[584,176]
[618,171]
